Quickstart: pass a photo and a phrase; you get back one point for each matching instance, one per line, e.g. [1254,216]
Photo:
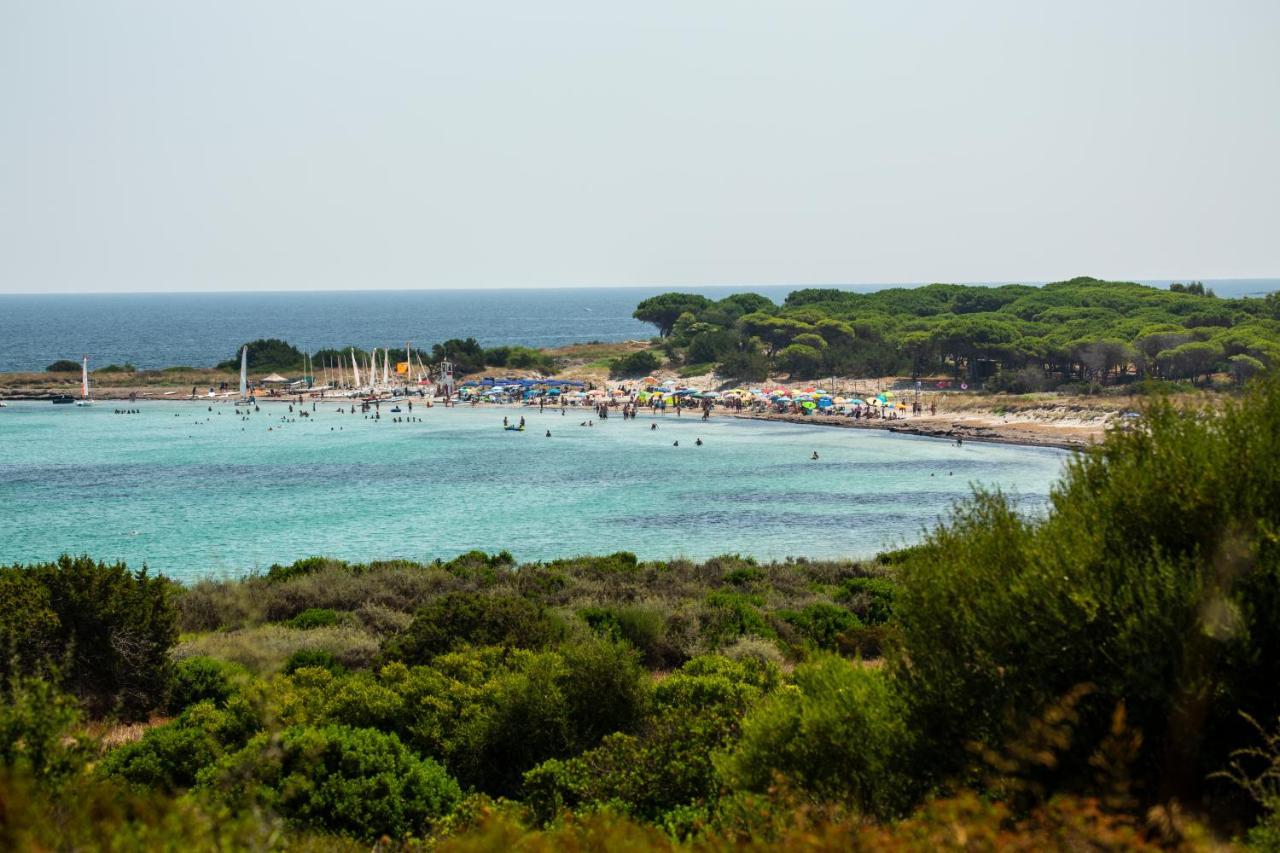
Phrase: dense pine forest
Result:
[1015,337]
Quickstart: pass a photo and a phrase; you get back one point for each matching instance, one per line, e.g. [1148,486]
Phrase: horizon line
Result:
[687,286]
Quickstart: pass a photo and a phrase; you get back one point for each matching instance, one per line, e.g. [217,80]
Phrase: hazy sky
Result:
[227,145]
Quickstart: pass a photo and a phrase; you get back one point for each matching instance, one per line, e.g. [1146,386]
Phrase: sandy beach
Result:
[1067,433]
[1045,420]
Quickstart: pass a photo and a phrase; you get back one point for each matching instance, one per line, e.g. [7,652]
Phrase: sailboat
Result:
[84,384]
[245,399]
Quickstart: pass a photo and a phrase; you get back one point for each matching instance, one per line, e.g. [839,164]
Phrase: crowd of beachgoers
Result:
[660,397]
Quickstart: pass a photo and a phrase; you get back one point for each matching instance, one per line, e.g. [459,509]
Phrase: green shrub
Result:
[645,628]
[168,758]
[313,658]
[479,566]
[37,731]
[746,577]
[303,567]
[314,617]
[30,633]
[821,624]
[114,629]
[870,598]
[546,706]
[1155,578]
[729,615]
[356,782]
[668,764]
[838,733]
[462,618]
[631,365]
[198,679]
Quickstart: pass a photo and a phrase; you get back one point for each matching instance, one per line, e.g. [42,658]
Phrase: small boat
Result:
[395,409]
[514,428]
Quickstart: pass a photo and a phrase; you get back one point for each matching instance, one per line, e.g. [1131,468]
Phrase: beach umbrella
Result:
[808,405]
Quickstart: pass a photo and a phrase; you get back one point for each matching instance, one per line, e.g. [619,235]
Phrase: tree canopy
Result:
[1082,330]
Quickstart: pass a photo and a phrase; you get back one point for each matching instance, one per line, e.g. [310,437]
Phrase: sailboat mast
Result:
[244,373]
[84,378]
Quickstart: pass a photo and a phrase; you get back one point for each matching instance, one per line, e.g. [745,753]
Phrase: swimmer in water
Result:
[698,442]
[675,443]
[814,457]
[652,427]
[548,433]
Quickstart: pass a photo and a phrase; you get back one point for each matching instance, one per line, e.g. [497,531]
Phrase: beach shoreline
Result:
[1025,433]
[979,426]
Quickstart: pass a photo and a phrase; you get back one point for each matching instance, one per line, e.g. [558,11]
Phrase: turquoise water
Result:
[195,493]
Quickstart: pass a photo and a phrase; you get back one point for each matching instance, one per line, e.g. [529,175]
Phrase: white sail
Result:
[386,357]
[84,383]
[244,373]
[355,368]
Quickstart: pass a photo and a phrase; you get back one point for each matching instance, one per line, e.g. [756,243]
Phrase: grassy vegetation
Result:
[1088,680]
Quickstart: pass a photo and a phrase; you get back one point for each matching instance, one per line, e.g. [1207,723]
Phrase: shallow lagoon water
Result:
[194,493]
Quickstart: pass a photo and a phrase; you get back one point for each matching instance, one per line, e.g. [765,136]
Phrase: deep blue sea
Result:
[200,329]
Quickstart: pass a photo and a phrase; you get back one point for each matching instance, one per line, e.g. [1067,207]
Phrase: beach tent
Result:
[275,378]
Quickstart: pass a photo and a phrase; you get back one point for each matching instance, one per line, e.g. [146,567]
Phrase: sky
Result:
[307,144]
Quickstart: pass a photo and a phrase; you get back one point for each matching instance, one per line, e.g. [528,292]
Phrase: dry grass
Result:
[265,648]
[112,734]
[142,382]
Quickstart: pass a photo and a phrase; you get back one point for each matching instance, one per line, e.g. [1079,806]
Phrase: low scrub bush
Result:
[356,782]
[728,615]
[644,627]
[39,738]
[822,625]
[667,765]
[169,757]
[314,617]
[313,658]
[870,598]
[480,619]
[837,731]
[200,679]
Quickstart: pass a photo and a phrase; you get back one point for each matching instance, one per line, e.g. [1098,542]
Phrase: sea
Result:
[194,490]
[152,330]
